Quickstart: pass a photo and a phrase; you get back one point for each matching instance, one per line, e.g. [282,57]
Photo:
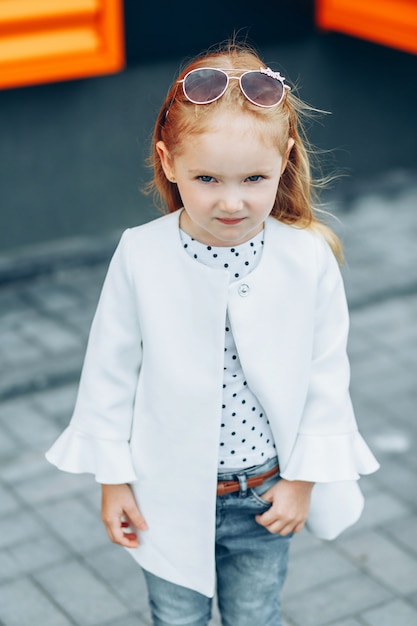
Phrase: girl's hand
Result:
[120,514]
[290,506]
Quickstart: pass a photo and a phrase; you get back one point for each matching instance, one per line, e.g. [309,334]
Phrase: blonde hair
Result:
[179,118]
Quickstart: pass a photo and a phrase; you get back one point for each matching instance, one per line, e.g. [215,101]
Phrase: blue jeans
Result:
[251,564]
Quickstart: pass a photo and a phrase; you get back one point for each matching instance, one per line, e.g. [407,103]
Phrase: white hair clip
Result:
[272,74]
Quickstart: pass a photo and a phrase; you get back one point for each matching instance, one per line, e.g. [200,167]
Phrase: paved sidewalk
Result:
[57,567]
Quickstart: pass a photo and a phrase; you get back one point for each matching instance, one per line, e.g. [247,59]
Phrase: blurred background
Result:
[81,82]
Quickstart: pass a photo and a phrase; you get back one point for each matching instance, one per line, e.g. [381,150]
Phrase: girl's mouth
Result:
[230,221]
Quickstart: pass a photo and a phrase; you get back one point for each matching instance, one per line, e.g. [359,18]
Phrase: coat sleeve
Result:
[97,438]
[328,446]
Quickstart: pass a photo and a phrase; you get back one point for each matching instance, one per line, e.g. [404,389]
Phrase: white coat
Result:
[149,404]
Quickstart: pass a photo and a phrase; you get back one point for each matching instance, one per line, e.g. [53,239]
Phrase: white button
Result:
[244,290]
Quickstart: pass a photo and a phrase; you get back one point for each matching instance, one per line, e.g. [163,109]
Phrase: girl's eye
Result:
[255,178]
[206,179]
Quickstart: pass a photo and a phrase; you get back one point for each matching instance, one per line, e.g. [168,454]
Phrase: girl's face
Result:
[227,178]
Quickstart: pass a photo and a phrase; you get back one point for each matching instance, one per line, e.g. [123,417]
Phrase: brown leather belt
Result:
[229,486]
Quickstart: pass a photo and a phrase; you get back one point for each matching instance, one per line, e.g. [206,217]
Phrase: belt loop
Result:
[243,484]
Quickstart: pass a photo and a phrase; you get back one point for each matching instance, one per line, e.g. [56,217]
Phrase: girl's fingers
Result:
[128,532]
[290,505]
[120,532]
[297,527]
[279,526]
[274,526]
[280,529]
[135,517]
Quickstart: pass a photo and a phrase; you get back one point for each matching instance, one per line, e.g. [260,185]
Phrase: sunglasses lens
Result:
[261,89]
[204,85]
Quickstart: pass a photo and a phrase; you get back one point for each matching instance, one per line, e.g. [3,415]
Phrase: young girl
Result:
[213,403]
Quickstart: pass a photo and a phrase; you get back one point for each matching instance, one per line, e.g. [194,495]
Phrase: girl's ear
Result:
[290,145]
[166,160]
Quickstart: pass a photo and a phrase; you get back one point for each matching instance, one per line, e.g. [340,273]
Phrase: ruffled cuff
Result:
[329,459]
[110,461]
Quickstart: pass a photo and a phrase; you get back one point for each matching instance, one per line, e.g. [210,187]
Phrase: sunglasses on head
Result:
[262,87]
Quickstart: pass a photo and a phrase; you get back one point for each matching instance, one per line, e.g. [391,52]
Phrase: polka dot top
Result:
[245,438]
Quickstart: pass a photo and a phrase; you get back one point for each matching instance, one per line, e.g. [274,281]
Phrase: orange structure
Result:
[51,40]
[388,22]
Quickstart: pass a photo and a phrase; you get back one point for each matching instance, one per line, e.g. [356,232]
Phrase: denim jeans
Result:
[251,564]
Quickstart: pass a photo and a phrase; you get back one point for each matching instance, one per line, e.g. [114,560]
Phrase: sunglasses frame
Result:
[265,71]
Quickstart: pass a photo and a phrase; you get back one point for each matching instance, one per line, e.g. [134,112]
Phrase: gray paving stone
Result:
[404,532]
[385,390]
[8,566]
[13,528]
[114,565]
[388,377]
[370,322]
[81,317]
[384,560]
[315,567]
[92,499]
[389,319]
[386,406]
[397,613]
[337,600]
[80,594]
[27,423]
[358,347]
[400,330]
[56,401]
[410,459]
[23,604]
[406,407]
[395,438]
[76,524]
[381,509]
[35,554]
[16,348]
[412,599]
[409,354]
[22,464]
[398,479]
[8,446]
[50,484]
[52,371]
[368,487]
[86,281]
[347,622]
[51,296]
[404,459]
[51,336]
[303,541]
[8,502]
[11,301]
[129,621]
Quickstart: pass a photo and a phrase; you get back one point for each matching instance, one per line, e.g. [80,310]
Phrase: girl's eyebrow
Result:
[207,172]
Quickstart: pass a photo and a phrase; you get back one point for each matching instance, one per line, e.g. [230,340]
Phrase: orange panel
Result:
[20,11]
[389,22]
[50,40]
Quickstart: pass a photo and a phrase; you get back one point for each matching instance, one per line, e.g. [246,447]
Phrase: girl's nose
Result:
[232,202]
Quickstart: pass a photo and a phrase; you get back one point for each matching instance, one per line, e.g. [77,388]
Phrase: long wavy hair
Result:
[178,119]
